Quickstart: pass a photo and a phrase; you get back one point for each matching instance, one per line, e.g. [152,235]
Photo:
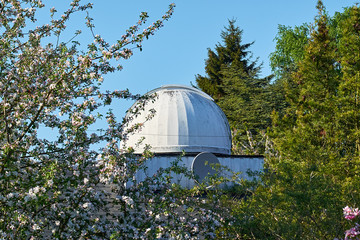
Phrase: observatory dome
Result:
[184,119]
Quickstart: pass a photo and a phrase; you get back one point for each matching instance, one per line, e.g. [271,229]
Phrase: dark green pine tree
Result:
[247,104]
[232,80]
[231,52]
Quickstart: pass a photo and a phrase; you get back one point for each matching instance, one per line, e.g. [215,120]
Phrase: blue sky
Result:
[177,52]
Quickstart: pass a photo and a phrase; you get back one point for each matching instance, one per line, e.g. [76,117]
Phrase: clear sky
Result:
[177,52]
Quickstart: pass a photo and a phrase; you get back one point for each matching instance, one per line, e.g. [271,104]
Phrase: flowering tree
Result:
[62,187]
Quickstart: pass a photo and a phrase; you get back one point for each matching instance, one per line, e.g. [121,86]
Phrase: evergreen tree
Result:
[246,103]
[232,80]
[231,53]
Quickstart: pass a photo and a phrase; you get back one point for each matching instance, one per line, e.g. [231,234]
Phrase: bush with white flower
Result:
[61,186]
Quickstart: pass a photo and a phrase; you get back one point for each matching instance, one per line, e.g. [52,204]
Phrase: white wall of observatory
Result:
[234,163]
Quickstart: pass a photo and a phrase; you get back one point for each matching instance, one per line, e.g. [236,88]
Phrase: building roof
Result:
[183,119]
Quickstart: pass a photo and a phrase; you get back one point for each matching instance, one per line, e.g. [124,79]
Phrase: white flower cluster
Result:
[33,193]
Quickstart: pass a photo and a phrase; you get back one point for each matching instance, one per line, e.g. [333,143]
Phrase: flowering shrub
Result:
[350,214]
[60,186]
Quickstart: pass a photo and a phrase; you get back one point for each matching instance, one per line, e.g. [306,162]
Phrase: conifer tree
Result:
[232,80]
[229,53]
[246,103]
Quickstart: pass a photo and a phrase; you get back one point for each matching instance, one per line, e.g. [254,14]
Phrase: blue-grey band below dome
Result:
[185,148]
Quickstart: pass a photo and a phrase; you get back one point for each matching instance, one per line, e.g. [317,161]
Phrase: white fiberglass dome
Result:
[185,119]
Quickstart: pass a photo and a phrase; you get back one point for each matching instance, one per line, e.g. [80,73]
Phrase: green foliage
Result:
[289,50]
[231,53]
[246,99]
[313,170]
[246,103]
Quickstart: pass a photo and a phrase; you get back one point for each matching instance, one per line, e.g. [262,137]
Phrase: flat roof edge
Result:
[196,153]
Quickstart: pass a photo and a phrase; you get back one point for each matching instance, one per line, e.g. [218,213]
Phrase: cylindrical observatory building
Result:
[179,119]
